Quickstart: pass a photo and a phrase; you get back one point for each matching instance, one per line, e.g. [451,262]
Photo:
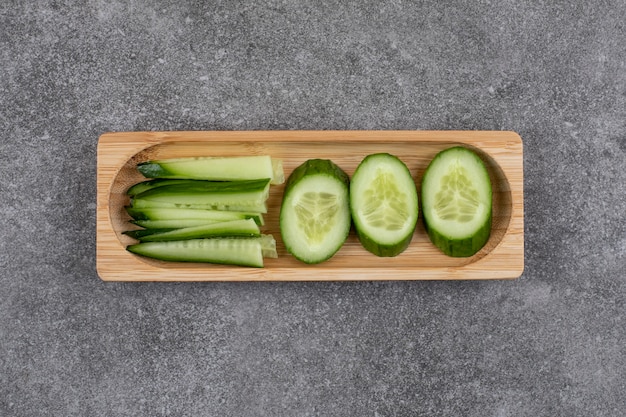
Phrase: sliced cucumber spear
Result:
[248,195]
[216,168]
[173,223]
[150,184]
[315,212]
[383,202]
[235,228]
[193,217]
[456,202]
[246,251]
[254,206]
[137,234]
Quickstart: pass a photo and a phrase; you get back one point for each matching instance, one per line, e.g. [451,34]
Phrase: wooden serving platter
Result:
[502,257]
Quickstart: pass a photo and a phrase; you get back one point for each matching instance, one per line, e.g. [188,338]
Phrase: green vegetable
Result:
[243,251]
[216,168]
[245,228]
[315,212]
[249,195]
[193,217]
[204,210]
[137,234]
[456,202]
[384,206]
[151,184]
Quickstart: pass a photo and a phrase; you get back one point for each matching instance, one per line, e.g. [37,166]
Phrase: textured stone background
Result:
[552,343]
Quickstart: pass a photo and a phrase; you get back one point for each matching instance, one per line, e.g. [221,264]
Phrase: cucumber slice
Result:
[315,212]
[244,228]
[198,215]
[456,202]
[230,195]
[247,251]
[216,168]
[384,206]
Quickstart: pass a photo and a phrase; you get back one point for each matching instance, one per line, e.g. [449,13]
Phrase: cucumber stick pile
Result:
[206,209]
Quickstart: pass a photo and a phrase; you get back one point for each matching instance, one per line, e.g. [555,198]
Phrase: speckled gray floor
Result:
[551,343]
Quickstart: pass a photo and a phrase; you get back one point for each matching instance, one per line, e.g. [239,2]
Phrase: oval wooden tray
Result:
[502,257]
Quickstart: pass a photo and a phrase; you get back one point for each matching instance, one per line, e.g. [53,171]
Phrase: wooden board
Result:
[502,256]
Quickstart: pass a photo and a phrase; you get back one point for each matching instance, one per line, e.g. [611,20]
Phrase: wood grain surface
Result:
[502,257]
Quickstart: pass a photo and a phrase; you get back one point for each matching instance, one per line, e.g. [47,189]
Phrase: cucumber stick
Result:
[246,251]
[315,212]
[254,206]
[384,204]
[216,168]
[249,195]
[456,202]
[174,223]
[245,228]
[137,234]
[150,184]
[193,216]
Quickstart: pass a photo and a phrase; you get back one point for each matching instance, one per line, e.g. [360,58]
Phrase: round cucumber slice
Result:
[315,213]
[384,206]
[456,202]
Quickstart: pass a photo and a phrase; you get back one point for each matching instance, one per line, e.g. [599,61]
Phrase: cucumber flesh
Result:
[246,251]
[233,195]
[244,228]
[268,246]
[315,212]
[278,173]
[215,168]
[457,202]
[384,204]
[195,216]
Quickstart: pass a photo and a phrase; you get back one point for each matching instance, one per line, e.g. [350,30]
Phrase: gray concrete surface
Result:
[551,343]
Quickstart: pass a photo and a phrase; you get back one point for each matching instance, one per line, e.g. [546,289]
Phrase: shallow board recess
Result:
[502,257]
